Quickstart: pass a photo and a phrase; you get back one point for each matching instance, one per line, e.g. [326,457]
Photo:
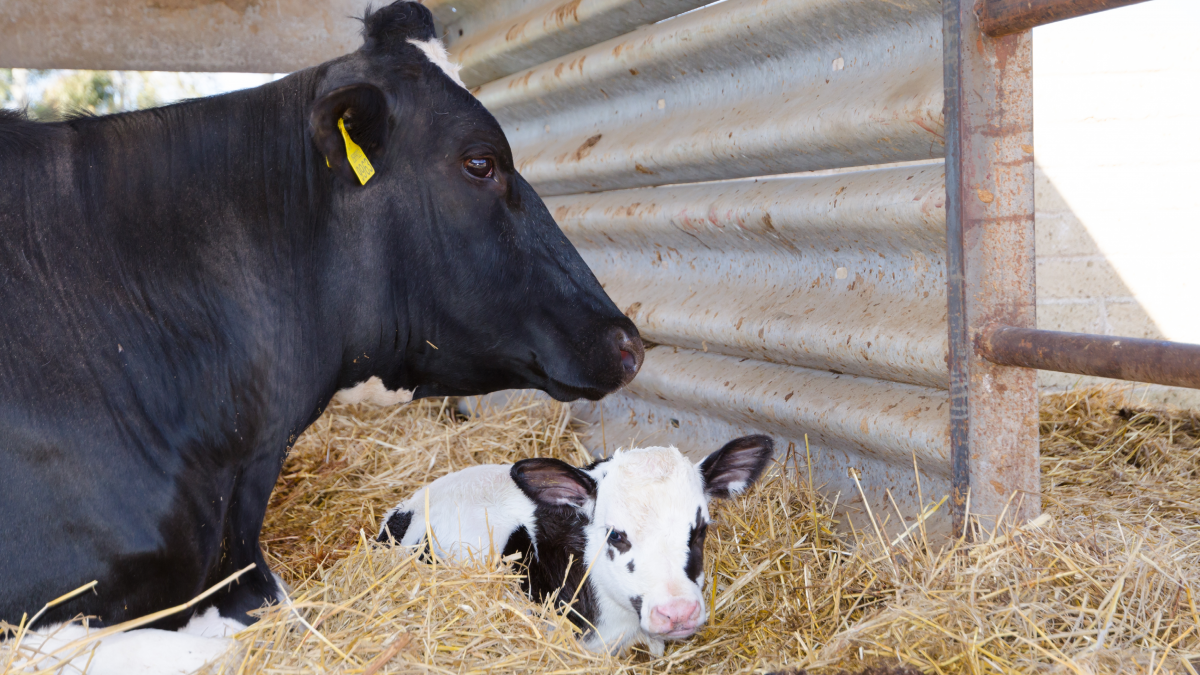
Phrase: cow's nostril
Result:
[631,352]
[628,361]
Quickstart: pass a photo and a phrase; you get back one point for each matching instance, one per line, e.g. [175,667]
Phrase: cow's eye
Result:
[479,167]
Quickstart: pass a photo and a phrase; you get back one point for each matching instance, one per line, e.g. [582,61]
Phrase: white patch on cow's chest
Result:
[145,651]
[435,51]
[372,391]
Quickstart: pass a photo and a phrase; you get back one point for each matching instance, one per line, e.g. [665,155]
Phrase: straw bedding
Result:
[1105,582]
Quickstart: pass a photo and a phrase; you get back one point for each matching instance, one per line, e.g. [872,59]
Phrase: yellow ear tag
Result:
[358,159]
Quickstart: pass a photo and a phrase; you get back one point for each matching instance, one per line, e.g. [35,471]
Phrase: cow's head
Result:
[450,274]
[647,515]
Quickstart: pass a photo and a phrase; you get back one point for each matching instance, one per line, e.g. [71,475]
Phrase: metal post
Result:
[989,239]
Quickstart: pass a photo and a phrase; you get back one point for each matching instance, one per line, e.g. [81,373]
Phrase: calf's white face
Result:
[648,533]
[647,513]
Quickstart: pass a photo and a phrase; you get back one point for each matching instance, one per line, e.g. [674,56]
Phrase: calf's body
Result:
[633,524]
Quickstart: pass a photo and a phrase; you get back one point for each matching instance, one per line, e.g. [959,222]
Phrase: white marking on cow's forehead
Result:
[374,392]
[435,51]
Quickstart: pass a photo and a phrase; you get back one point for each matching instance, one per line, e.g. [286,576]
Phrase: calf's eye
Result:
[479,167]
[618,540]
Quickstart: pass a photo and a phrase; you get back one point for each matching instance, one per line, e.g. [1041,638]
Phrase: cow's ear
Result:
[363,111]
[553,482]
[735,467]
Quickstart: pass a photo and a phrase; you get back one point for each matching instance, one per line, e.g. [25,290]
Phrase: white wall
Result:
[1117,137]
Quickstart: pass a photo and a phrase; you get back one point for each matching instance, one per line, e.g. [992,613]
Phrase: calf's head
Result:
[449,275]
[647,517]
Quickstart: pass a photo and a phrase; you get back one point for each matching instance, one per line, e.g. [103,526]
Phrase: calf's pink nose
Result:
[675,616]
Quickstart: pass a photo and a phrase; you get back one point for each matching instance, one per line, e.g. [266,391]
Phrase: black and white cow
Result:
[184,289]
[637,520]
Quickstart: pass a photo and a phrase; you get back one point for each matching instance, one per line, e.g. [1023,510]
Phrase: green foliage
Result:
[6,83]
[147,95]
[51,95]
[82,91]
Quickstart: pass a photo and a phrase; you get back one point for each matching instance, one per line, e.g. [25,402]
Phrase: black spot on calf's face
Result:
[695,557]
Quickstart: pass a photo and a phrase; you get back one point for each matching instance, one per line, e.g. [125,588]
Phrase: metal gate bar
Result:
[1005,17]
[1171,363]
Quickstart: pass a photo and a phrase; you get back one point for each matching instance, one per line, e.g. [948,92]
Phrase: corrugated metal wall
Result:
[758,183]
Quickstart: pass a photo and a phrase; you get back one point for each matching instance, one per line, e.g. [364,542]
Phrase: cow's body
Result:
[620,541]
[183,290]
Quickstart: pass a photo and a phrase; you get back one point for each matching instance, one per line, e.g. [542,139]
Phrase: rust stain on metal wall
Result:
[565,11]
[586,149]
[516,32]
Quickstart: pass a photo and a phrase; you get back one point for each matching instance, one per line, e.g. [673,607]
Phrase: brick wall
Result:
[1116,125]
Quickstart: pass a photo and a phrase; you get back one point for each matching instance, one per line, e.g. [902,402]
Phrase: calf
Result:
[184,289]
[637,520]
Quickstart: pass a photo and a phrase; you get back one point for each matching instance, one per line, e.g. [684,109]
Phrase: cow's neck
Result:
[220,198]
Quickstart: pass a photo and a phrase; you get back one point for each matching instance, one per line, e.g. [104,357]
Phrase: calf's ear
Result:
[553,482]
[736,466]
[363,111]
